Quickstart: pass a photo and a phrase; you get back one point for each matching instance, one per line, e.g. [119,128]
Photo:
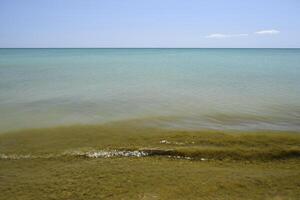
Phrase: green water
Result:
[177,88]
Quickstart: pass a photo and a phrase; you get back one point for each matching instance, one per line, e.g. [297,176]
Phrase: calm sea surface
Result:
[176,88]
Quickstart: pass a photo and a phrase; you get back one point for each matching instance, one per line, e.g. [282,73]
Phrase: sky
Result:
[150,23]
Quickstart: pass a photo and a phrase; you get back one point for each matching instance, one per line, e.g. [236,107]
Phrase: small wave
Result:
[99,154]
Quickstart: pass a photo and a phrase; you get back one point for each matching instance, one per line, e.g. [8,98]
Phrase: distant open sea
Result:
[238,89]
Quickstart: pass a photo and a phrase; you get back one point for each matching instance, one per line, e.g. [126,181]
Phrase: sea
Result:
[223,89]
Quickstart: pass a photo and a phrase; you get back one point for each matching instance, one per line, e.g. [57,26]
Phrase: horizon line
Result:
[149,47]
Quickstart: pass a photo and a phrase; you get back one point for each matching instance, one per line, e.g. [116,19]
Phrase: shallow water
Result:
[177,88]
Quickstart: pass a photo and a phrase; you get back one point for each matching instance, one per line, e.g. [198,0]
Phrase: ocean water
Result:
[174,88]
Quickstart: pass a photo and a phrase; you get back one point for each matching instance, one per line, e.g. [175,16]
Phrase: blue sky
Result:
[149,23]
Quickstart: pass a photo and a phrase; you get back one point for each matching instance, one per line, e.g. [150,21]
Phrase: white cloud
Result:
[267,32]
[221,36]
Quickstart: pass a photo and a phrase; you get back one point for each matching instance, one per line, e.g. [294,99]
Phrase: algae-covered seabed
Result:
[58,163]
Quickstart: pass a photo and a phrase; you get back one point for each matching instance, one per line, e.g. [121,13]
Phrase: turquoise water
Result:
[177,88]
